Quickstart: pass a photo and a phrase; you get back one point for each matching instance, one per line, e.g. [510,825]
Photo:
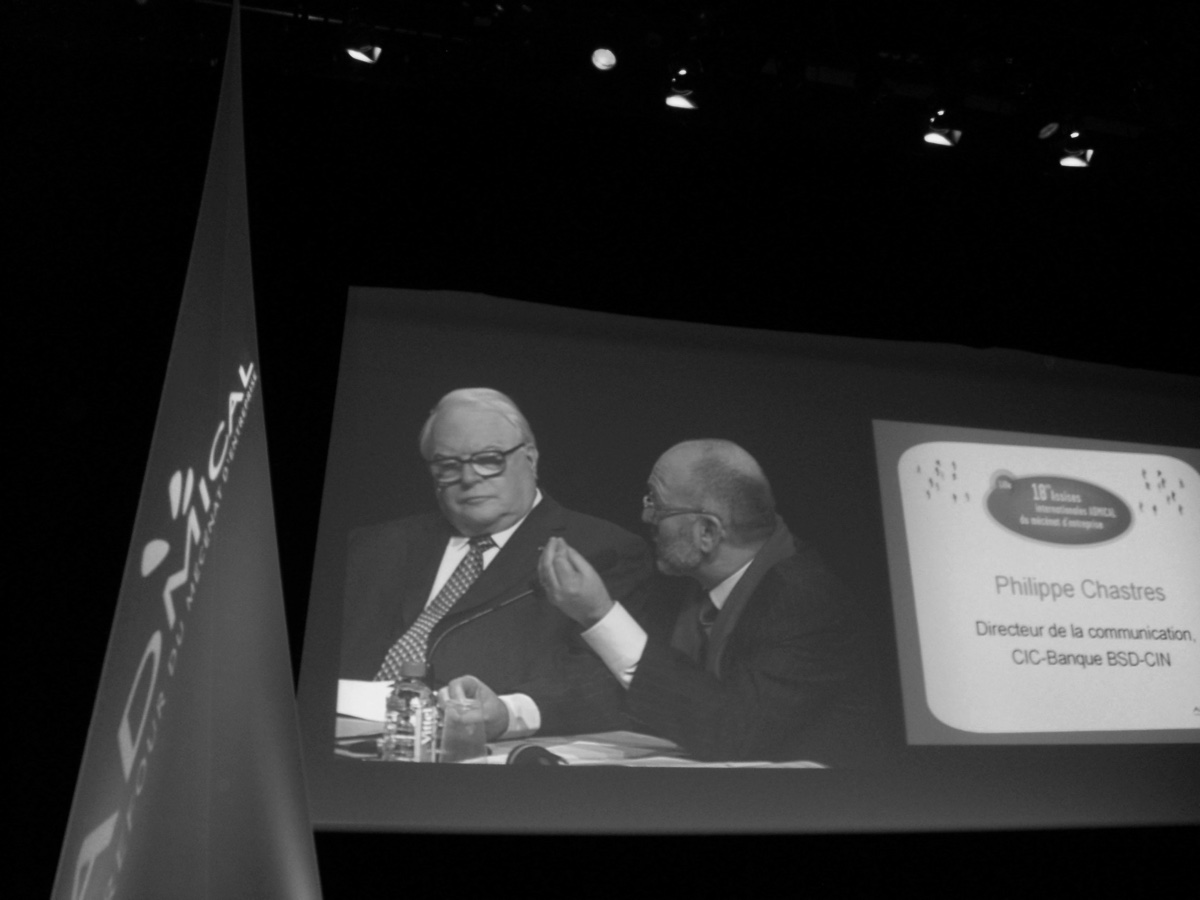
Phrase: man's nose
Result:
[469,475]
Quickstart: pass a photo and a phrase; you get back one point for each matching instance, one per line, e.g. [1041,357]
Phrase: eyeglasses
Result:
[487,464]
[652,513]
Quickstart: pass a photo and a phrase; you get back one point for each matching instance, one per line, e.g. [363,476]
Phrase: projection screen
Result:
[1020,532]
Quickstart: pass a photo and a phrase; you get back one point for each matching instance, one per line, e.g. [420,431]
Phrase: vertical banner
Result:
[191,782]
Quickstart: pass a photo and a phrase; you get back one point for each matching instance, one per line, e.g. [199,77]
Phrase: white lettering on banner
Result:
[191,536]
[127,744]
[215,466]
[135,754]
[93,845]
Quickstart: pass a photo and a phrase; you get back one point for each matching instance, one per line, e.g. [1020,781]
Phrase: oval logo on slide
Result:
[1057,510]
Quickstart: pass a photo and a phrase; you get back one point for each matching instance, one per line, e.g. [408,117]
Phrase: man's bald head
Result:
[722,478]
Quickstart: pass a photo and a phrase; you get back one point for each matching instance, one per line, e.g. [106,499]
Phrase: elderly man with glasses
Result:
[455,590]
[761,656]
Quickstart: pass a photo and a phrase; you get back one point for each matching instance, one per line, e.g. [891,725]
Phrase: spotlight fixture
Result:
[684,78]
[365,53]
[361,46]
[603,59]
[1076,152]
[940,131]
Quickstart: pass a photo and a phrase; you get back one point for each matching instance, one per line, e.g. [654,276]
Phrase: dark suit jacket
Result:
[786,674]
[527,646]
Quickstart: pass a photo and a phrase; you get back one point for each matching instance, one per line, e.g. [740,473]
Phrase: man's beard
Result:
[679,556]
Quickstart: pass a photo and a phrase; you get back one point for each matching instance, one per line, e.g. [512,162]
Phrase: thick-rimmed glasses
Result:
[652,513]
[486,463]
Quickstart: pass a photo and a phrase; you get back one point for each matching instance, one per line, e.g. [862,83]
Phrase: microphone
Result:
[605,559]
[459,624]
[533,755]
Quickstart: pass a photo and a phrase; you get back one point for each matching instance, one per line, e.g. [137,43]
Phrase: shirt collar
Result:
[500,537]
[721,592]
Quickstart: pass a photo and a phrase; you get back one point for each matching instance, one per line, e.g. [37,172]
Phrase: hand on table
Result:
[494,713]
[572,584]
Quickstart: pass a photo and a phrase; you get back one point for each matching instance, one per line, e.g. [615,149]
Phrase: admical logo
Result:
[193,501]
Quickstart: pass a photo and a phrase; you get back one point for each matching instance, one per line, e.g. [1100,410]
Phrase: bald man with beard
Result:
[761,656]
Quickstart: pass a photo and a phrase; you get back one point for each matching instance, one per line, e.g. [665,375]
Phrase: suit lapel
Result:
[778,547]
[417,569]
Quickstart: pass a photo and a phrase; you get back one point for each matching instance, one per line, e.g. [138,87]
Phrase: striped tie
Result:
[410,646]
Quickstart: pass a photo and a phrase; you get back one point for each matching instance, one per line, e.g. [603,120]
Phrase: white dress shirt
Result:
[524,718]
[459,546]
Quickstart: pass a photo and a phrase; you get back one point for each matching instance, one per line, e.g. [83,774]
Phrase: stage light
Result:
[683,86]
[1076,152]
[603,59]
[365,53]
[360,44]
[1067,142]
[940,131]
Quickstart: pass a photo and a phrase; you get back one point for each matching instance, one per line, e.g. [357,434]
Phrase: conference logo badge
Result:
[1056,509]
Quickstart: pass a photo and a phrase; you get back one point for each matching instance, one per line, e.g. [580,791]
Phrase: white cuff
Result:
[619,641]
[524,718]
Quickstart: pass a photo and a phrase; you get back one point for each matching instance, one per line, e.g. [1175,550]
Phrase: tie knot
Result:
[482,542]
[708,612]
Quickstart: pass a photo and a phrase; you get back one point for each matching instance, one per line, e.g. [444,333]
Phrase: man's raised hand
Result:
[572,584]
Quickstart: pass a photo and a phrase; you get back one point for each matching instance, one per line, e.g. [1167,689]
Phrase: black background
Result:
[781,205]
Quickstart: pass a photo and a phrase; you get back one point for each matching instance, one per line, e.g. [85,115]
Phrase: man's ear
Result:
[532,455]
[708,533]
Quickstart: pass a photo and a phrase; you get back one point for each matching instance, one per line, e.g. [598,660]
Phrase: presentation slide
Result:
[1053,585]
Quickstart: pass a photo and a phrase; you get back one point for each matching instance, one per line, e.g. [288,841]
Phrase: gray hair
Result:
[482,398]
[728,478]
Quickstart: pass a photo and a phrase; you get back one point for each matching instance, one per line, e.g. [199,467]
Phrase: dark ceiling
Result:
[484,152]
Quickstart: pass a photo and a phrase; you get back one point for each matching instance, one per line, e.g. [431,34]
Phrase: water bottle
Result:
[410,726]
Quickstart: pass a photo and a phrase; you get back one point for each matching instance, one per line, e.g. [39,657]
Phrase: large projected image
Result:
[536,620]
[845,645]
[1053,586]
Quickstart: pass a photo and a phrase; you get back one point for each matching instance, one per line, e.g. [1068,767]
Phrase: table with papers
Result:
[355,739]
[360,708]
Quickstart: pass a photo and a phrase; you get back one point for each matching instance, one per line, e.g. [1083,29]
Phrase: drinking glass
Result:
[464,735]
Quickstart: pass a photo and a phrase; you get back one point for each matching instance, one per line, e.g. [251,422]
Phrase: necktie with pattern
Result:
[410,646]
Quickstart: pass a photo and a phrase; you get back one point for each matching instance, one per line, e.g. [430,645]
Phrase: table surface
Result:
[355,739]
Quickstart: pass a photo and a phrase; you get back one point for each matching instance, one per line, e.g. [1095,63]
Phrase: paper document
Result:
[363,699]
